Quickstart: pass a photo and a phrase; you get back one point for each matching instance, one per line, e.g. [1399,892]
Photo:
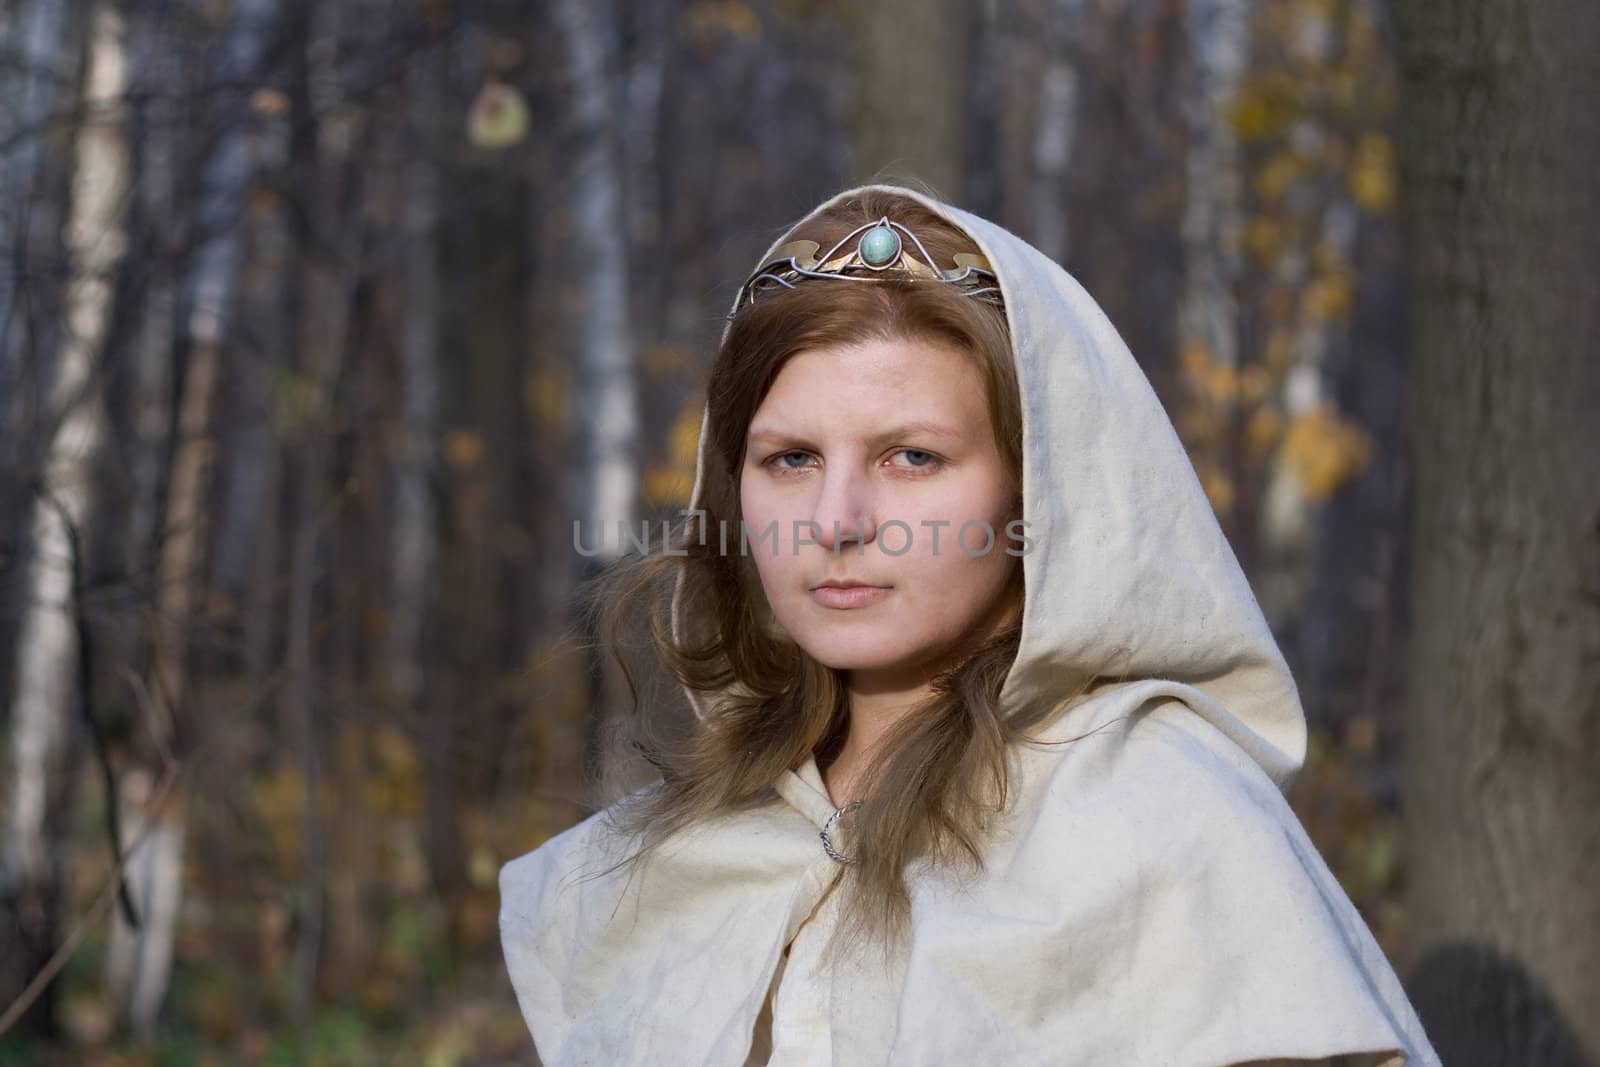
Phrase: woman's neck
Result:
[876,704]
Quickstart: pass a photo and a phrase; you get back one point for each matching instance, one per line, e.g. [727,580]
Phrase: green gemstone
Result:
[879,246]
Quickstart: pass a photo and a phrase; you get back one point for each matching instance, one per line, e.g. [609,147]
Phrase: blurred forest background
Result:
[321,322]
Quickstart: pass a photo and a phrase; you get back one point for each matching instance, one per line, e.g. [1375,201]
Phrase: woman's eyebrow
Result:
[904,429]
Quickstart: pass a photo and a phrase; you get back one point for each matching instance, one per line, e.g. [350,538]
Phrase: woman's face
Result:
[886,447]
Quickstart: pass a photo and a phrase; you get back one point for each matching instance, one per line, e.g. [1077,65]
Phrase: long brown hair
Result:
[942,772]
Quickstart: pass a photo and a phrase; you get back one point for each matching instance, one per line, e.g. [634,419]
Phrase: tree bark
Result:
[47,679]
[332,253]
[142,960]
[911,92]
[1213,204]
[416,532]
[1501,148]
[34,35]
[605,490]
[1055,130]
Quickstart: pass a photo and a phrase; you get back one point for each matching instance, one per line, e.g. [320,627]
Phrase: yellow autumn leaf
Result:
[546,397]
[1324,450]
[1343,85]
[667,485]
[685,435]
[662,360]
[450,1047]
[1372,173]
[1219,490]
[709,18]
[262,202]
[394,786]
[1222,384]
[1262,237]
[1280,351]
[270,103]
[1216,381]
[1262,108]
[1254,382]
[498,117]
[1197,425]
[298,405]
[1328,258]
[1195,361]
[395,752]
[1275,177]
[279,798]
[1361,734]
[463,448]
[1328,297]
[1263,431]
[483,867]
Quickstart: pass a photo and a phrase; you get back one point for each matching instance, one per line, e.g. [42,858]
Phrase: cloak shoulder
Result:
[1155,900]
[666,962]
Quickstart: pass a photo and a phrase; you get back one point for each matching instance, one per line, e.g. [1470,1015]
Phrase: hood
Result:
[1129,571]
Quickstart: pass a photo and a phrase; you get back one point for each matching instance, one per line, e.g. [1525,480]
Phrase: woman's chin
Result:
[847,655]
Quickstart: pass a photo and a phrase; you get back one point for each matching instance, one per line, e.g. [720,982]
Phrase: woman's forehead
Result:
[931,392]
[921,371]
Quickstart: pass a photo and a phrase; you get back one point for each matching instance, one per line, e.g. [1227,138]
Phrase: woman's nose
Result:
[845,512]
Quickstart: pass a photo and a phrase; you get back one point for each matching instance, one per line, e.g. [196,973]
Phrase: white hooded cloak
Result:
[1148,897]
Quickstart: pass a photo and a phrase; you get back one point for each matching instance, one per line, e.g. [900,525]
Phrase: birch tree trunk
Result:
[36,34]
[608,402]
[605,486]
[46,676]
[1500,154]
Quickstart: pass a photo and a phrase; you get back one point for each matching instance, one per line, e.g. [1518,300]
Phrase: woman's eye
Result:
[779,461]
[918,459]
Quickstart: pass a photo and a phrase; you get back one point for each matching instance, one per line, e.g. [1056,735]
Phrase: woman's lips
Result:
[849,596]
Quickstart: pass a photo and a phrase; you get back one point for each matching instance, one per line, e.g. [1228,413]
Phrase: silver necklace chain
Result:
[827,842]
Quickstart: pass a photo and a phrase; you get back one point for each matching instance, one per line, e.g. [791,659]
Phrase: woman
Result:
[1016,796]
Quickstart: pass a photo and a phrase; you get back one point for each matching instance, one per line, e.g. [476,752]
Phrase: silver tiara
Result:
[880,254]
